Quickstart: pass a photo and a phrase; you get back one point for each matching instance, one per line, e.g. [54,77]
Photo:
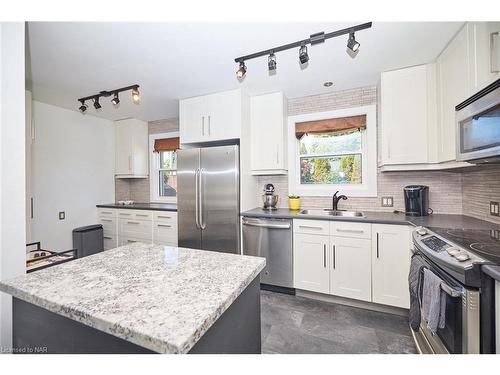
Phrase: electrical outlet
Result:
[62,215]
[494,209]
[387,202]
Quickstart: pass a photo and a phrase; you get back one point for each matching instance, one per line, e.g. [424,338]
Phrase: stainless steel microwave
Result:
[478,126]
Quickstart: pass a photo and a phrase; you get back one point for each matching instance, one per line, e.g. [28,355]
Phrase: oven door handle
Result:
[454,293]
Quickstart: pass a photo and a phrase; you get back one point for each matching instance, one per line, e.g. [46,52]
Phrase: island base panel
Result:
[37,330]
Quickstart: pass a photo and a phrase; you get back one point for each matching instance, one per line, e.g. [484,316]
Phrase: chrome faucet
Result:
[336,199]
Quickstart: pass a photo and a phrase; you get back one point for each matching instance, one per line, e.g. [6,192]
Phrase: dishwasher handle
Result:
[266,224]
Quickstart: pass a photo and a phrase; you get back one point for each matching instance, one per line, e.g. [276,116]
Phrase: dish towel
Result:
[433,301]
[414,286]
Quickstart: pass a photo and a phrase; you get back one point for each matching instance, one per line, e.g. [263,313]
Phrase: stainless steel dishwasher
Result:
[271,239]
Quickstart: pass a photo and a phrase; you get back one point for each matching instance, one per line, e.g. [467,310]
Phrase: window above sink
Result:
[334,150]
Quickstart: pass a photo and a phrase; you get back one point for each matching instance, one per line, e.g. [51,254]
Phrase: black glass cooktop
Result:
[484,243]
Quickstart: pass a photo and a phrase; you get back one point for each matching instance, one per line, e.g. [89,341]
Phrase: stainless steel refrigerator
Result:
[208,198]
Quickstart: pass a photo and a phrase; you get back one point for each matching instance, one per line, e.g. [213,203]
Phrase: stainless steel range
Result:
[456,256]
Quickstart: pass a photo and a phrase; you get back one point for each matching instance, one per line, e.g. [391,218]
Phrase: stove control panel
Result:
[435,243]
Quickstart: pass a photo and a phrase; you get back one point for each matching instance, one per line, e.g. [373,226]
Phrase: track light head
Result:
[271,62]
[303,56]
[240,73]
[136,97]
[83,107]
[97,105]
[352,44]
[116,99]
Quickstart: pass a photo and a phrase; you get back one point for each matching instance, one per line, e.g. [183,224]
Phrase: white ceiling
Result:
[178,60]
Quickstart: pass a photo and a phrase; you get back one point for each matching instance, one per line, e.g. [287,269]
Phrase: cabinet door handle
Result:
[378,252]
[277,154]
[141,215]
[165,225]
[130,163]
[106,213]
[334,256]
[131,241]
[133,222]
[208,125]
[124,214]
[351,230]
[493,57]
[202,125]
[324,255]
[107,238]
[109,220]
[309,227]
[164,217]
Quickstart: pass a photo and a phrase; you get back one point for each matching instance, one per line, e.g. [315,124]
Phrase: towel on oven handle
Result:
[414,278]
[433,301]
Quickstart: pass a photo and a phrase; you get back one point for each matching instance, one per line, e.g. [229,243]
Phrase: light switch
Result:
[387,202]
[62,215]
[494,209]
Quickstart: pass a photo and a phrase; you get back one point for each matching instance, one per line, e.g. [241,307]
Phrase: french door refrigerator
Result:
[208,198]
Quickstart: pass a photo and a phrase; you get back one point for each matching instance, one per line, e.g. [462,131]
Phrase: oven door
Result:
[461,332]
[478,126]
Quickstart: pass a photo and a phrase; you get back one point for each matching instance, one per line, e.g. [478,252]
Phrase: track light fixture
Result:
[303,56]
[97,105]
[116,99]
[313,39]
[240,73]
[136,98]
[271,62]
[83,107]
[352,44]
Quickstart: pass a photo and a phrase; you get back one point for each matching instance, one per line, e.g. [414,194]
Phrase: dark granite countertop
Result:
[493,271]
[142,206]
[435,220]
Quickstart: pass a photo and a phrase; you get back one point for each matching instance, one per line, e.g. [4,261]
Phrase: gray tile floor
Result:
[294,325]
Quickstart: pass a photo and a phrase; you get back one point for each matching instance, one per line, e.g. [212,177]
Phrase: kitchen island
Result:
[140,299]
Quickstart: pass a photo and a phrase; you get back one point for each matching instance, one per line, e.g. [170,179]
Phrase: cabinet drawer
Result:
[135,228]
[165,216]
[135,214]
[106,212]
[349,229]
[165,231]
[311,226]
[108,225]
[110,242]
[127,240]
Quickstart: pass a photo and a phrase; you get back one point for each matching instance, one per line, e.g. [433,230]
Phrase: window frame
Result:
[368,187]
[154,169]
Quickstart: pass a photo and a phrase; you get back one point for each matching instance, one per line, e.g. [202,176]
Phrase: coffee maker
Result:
[269,199]
[416,200]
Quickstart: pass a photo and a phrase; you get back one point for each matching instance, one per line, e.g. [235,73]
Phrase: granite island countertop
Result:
[161,298]
[142,206]
[378,217]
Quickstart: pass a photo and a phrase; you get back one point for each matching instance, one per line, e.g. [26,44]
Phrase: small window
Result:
[163,167]
[331,158]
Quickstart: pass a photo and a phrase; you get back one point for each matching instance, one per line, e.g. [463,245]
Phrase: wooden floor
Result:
[292,324]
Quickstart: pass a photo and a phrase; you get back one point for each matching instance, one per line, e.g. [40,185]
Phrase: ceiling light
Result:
[271,62]
[240,73]
[115,100]
[83,107]
[136,98]
[328,84]
[352,44]
[96,103]
[303,56]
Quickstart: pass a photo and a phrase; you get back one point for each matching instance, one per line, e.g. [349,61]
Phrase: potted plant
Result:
[294,202]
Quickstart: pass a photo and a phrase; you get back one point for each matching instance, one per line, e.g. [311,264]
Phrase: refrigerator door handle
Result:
[196,198]
[200,188]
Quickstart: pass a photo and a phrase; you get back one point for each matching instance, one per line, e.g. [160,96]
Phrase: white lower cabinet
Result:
[362,261]
[391,264]
[165,229]
[351,272]
[310,262]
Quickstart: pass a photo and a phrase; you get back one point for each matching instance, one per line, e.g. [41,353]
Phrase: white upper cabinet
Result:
[391,264]
[268,134]
[485,39]
[407,114]
[212,117]
[131,157]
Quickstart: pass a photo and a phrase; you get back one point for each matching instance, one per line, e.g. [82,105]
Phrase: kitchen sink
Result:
[332,213]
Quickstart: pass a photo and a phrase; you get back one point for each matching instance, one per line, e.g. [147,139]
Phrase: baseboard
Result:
[352,302]
[278,289]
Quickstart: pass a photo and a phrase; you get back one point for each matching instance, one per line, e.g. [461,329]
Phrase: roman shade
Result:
[330,125]
[166,144]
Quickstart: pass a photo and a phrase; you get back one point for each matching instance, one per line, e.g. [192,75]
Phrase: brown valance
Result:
[166,144]
[330,125]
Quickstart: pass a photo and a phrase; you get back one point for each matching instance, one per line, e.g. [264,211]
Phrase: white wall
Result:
[12,167]
[72,171]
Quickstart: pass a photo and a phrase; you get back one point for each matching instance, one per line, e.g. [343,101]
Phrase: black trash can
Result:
[88,240]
